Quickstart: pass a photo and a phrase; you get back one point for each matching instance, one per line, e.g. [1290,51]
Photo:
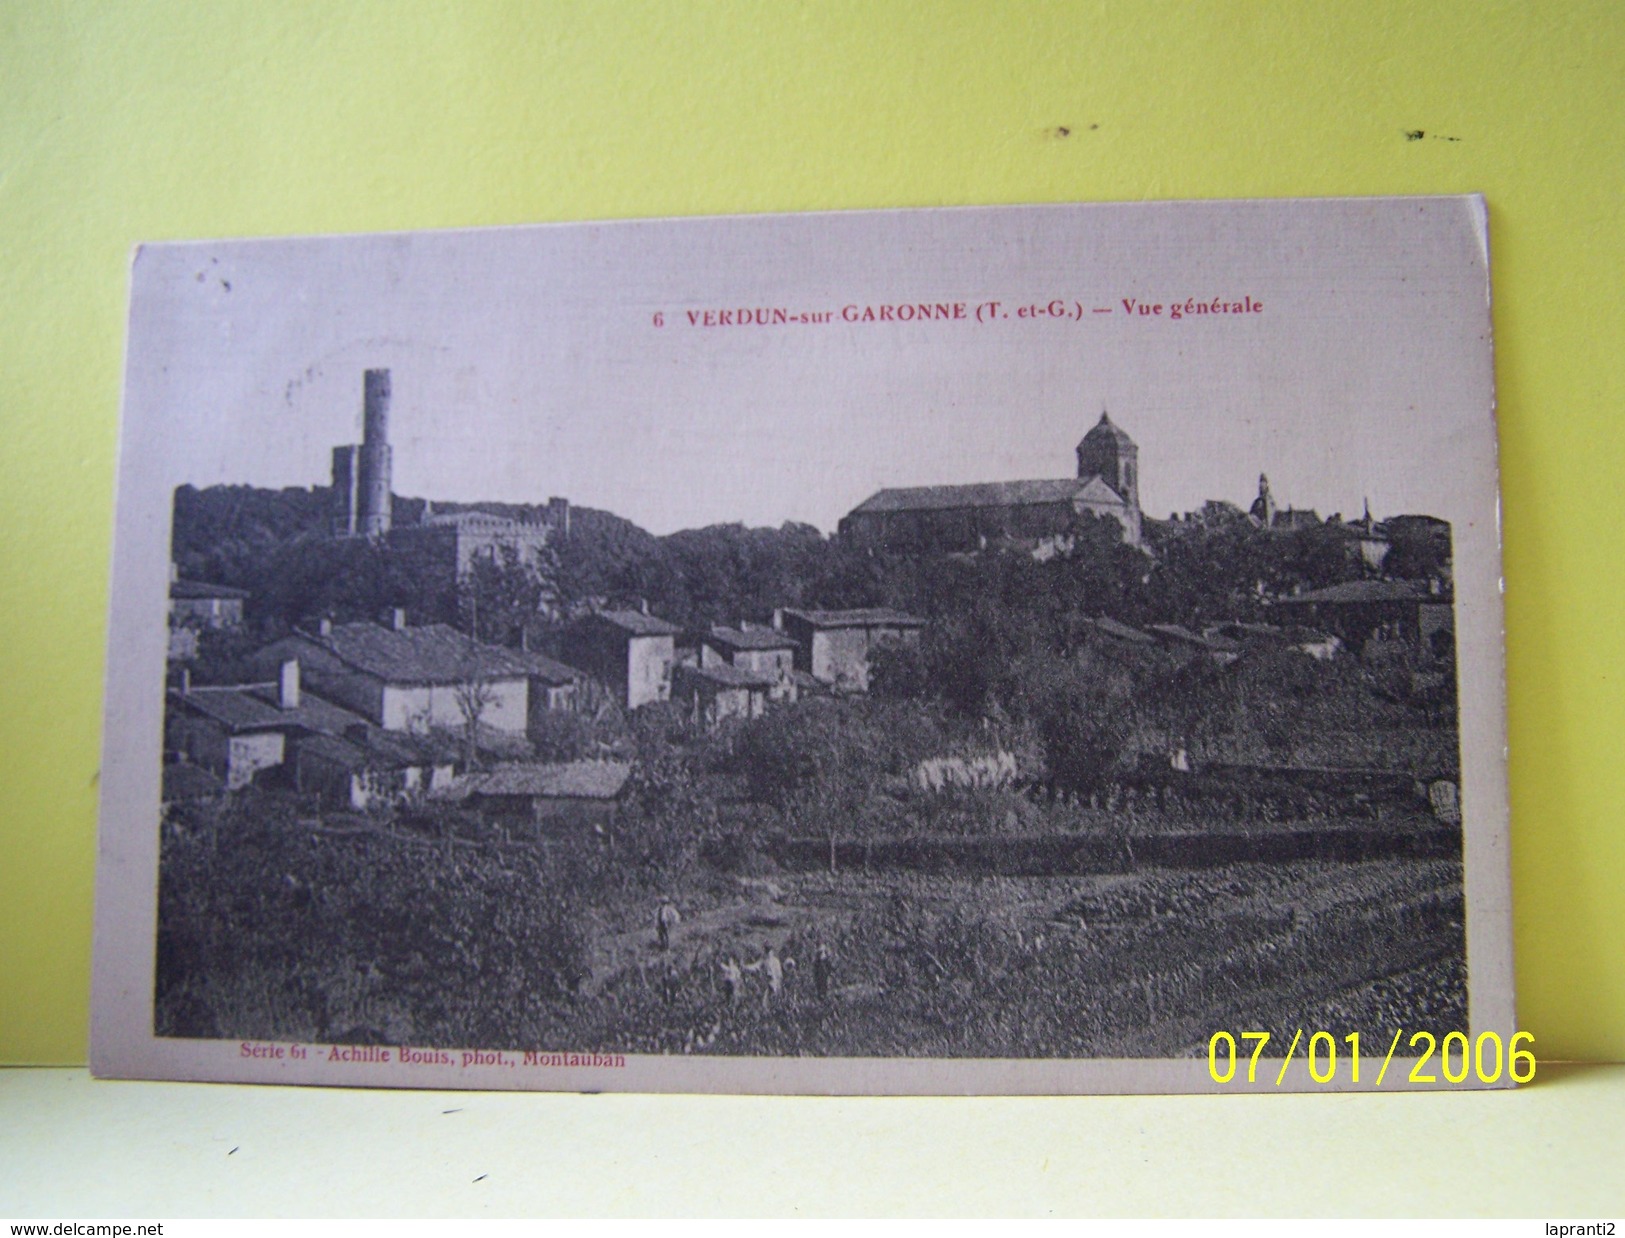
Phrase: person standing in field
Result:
[733,979]
[822,970]
[774,969]
[666,919]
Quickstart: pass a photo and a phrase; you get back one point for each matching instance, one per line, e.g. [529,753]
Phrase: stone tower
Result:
[363,473]
[377,464]
[1106,451]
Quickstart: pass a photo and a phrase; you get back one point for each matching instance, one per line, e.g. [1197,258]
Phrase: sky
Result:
[530,362]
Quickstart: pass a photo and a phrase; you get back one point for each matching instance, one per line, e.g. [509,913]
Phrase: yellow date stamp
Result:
[1453,1059]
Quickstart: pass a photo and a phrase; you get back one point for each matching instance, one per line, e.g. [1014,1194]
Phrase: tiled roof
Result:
[749,638]
[431,654]
[548,670]
[980,494]
[638,623]
[382,749]
[253,707]
[200,590]
[870,617]
[595,780]
[338,751]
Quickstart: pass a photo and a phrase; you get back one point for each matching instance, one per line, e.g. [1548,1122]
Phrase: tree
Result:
[474,696]
[501,593]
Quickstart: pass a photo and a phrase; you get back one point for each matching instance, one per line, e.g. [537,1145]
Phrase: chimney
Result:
[397,619]
[643,605]
[325,627]
[287,688]
[186,680]
[778,618]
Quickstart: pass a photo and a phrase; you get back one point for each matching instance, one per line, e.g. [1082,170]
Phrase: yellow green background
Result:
[122,123]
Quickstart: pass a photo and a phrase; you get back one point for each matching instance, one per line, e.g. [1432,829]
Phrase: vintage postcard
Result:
[995,650]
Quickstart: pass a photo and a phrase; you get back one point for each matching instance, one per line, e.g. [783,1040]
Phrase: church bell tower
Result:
[1107,452]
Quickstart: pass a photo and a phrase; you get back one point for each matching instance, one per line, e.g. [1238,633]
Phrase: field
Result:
[377,936]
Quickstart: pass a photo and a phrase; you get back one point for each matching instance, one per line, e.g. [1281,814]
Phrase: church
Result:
[973,517]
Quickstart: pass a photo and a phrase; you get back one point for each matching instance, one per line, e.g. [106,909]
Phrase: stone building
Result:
[452,542]
[414,679]
[713,694]
[629,652]
[197,606]
[363,472]
[834,646]
[1416,612]
[972,517]
[241,732]
[767,651]
[569,797]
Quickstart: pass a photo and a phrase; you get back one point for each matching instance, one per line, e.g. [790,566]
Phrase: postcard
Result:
[1048,649]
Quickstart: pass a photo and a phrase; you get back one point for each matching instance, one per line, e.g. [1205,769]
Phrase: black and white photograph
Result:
[975,650]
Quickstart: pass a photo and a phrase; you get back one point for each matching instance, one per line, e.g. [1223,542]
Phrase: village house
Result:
[763,651]
[555,798]
[712,694]
[768,651]
[200,605]
[1416,612]
[554,687]
[413,679]
[197,606]
[237,733]
[834,646]
[631,653]
[367,766]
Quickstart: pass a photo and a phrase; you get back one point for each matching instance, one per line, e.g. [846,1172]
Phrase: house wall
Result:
[423,707]
[550,698]
[766,661]
[713,703]
[841,655]
[251,753]
[649,660]
[551,814]
[235,758]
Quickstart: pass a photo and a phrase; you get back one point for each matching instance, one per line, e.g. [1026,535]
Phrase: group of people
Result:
[770,965]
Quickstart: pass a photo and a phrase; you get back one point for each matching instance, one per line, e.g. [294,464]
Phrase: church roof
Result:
[983,494]
[1106,428]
